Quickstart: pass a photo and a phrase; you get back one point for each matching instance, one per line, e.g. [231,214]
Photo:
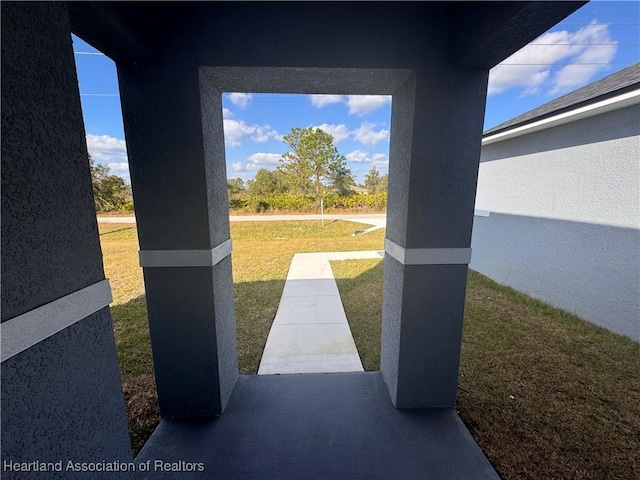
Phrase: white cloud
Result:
[120,168]
[241,100]
[358,156]
[503,77]
[369,137]
[535,68]
[338,132]
[237,167]
[380,160]
[235,131]
[363,104]
[358,104]
[239,170]
[226,113]
[104,148]
[320,101]
[110,151]
[262,159]
[364,162]
[572,76]
[264,133]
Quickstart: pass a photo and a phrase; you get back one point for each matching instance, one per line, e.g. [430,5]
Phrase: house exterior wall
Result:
[61,395]
[430,203]
[564,222]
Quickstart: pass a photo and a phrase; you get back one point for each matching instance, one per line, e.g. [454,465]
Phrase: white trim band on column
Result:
[185,258]
[28,329]
[427,256]
[481,213]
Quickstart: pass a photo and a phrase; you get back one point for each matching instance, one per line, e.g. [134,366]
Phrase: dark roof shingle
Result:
[622,81]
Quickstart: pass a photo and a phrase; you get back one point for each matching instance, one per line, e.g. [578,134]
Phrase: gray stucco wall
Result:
[195,375]
[62,398]
[50,244]
[191,308]
[224,305]
[564,225]
[432,179]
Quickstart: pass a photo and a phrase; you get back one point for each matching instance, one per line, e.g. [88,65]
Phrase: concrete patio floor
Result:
[317,426]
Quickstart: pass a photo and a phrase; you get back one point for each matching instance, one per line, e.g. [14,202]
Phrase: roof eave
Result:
[604,104]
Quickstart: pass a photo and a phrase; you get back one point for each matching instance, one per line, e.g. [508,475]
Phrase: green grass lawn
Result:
[262,252]
[545,394]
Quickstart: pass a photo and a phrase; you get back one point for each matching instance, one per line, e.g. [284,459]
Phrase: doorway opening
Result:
[277,296]
[111,182]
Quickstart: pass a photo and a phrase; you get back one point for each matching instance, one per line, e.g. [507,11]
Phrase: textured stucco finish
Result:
[433,173]
[433,183]
[405,35]
[444,157]
[432,179]
[392,301]
[50,241]
[225,313]
[400,137]
[191,309]
[360,81]
[489,31]
[172,203]
[435,137]
[565,217]
[335,34]
[62,400]
[214,162]
[242,33]
[193,337]
[63,396]
[421,353]
[431,335]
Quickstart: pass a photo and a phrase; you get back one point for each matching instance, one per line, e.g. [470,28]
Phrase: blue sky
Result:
[597,40]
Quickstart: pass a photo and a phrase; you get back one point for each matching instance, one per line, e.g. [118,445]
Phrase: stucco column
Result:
[61,395]
[439,114]
[175,143]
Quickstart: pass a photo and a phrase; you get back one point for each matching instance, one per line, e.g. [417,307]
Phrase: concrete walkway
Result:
[310,333]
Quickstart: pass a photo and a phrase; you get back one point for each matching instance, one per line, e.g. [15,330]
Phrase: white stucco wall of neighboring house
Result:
[564,217]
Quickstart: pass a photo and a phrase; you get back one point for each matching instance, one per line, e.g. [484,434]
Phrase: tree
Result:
[341,180]
[235,186]
[372,180]
[236,193]
[267,182]
[110,192]
[383,186]
[98,174]
[313,162]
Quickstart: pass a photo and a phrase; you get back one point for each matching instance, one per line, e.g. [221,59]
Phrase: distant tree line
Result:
[312,170]
[110,192]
